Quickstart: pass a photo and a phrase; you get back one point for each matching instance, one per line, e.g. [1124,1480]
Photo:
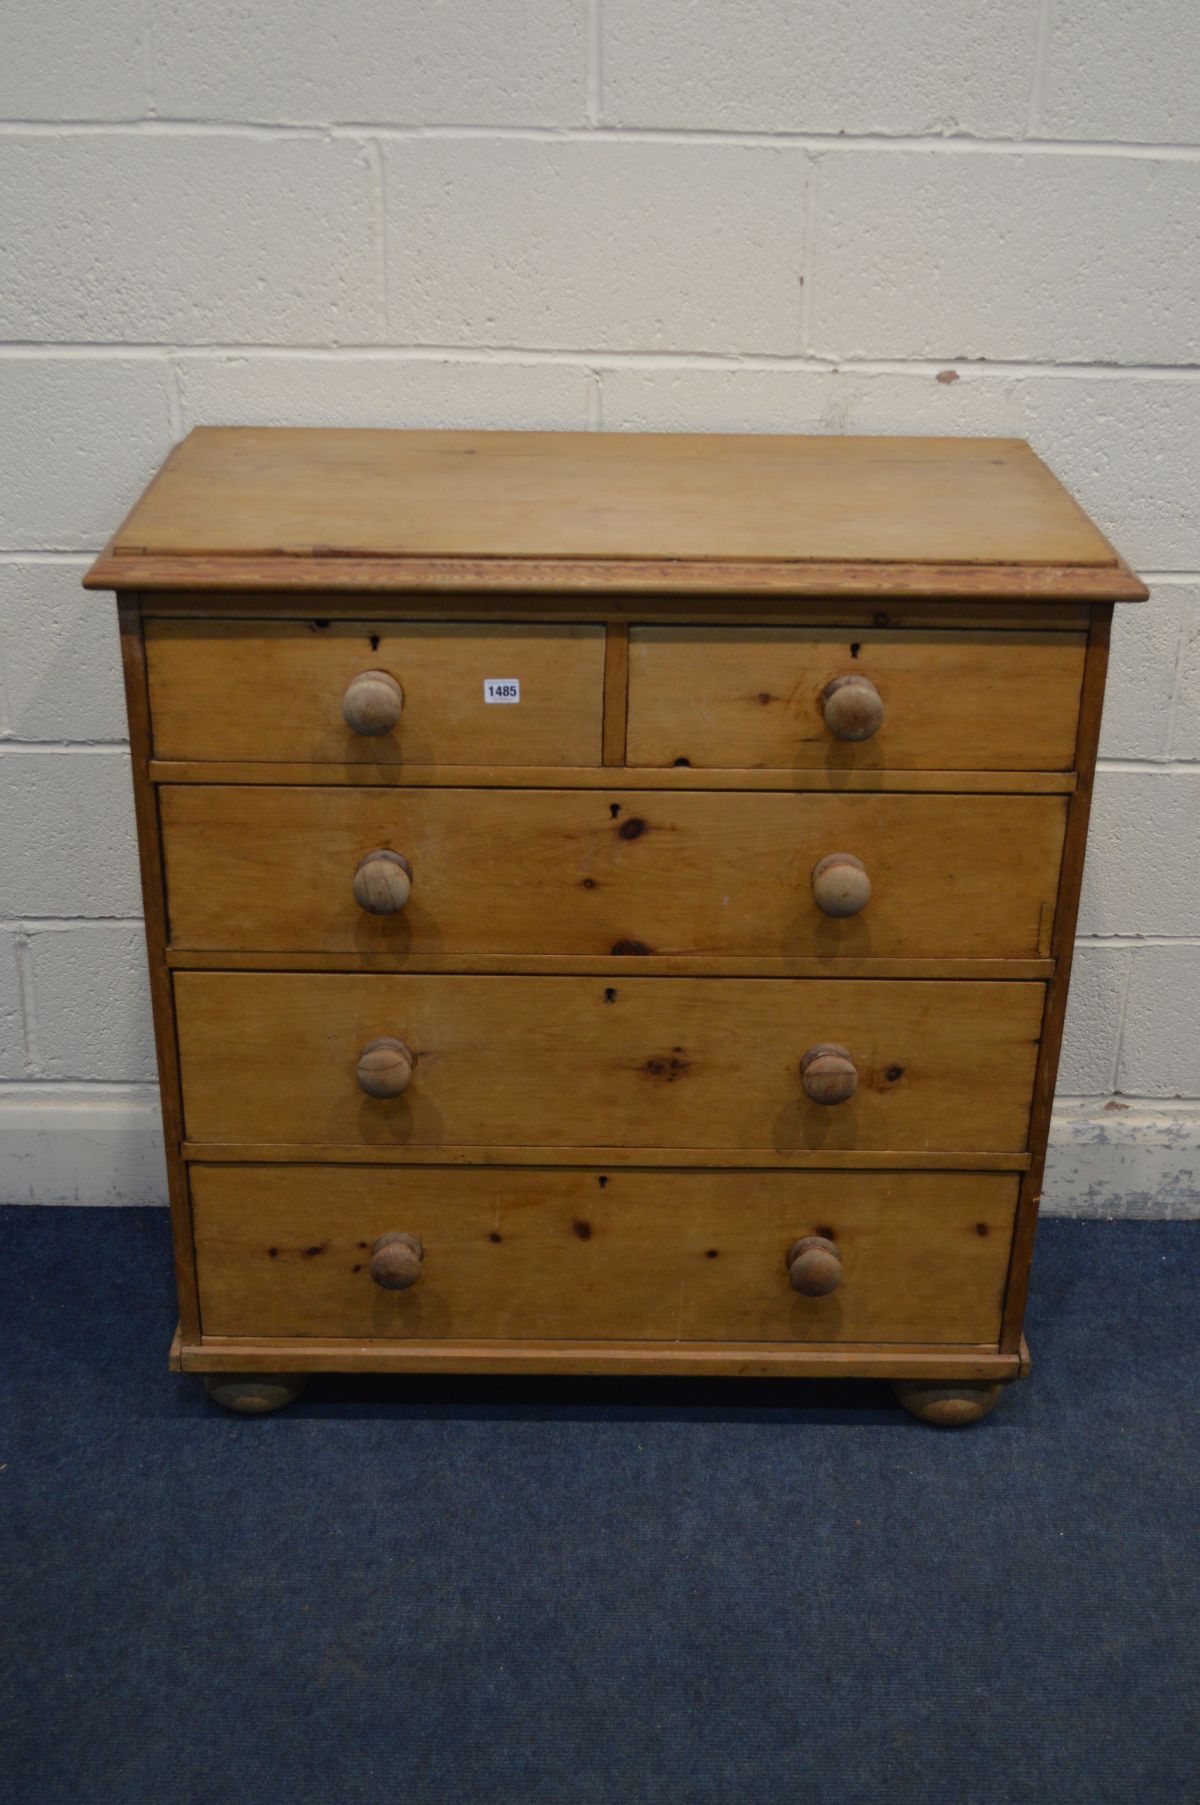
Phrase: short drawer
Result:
[276,690]
[512,1254]
[743,697]
[599,873]
[689,1063]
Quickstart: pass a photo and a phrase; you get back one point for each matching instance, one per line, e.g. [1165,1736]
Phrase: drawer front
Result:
[274,690]
[693,1063]
[742,697]
[518,1255]
[599,872]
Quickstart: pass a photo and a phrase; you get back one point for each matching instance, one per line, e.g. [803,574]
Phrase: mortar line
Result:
[616,358]
[148,57]
[1181,767]
[34,1065]
[808,256]
[1180,646]
[952,145]
[19,746]
[375,163]
[6,716]
[53,924]
[56,1087]
[1133,1100]
[1130,942]
[1120,1036]
[1037,85]
[593,70]
[174,398]
[595,402]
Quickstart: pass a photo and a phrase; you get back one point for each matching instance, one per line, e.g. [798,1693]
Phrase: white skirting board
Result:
[85,1143]
[102,1144]
[1116,1158]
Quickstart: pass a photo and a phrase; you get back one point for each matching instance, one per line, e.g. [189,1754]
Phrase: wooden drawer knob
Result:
[373,703]
[853,708]
[840,884]
[396,1261]
[827,1074]
[814,1266]
[382,882]
[385,1067]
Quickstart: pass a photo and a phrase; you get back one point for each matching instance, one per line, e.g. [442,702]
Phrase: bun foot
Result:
[254,1394]
[949,1406]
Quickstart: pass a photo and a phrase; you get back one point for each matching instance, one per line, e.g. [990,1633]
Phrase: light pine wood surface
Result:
[759,1159]
[726,608]
[585,777]
[664,1359]
[641,1062]
[275,690]
[523,1255]
[535,1010]
[154,909]
[1066,917]
[614,873]
[752,696]
[305,493]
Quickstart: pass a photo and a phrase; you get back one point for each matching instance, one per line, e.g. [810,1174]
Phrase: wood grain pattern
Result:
[616,690]
[210,700]
[752,697]
[583,777]
[331,493]
[1066,915]
[692,1359]
[721,609]
[614,873]
[559,965]
[154,909]
[802,1159]
[645,1062]
[523,1255]
[610,578]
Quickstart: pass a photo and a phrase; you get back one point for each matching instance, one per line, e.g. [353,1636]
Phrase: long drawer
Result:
[602,873]
[471,693]
[950,701]
[520,1254]
[689,1063]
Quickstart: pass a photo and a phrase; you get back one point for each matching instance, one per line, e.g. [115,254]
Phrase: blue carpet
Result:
[452,1592]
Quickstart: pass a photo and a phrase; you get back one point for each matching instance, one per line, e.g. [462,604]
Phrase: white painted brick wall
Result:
[641,246]
[931,216]
[1122,73]
[113,236]
[897,66]
[426,62]
[384,389]
[920,254]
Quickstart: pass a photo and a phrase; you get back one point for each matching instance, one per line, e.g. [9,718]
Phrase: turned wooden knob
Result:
[373,703]
[814,1266]
[853,708]
[396,1261]
[827,1074]
[840,884]
[385,1067]
[382,882]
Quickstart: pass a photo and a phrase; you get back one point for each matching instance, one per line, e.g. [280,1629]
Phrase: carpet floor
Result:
[459,1592]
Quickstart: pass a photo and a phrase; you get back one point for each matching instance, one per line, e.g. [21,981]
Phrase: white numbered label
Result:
[502,689]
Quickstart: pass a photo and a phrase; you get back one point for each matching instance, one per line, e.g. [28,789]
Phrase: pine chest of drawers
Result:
[609,899]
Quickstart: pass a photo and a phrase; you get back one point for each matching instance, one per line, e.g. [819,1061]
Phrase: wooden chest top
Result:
[336,509]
